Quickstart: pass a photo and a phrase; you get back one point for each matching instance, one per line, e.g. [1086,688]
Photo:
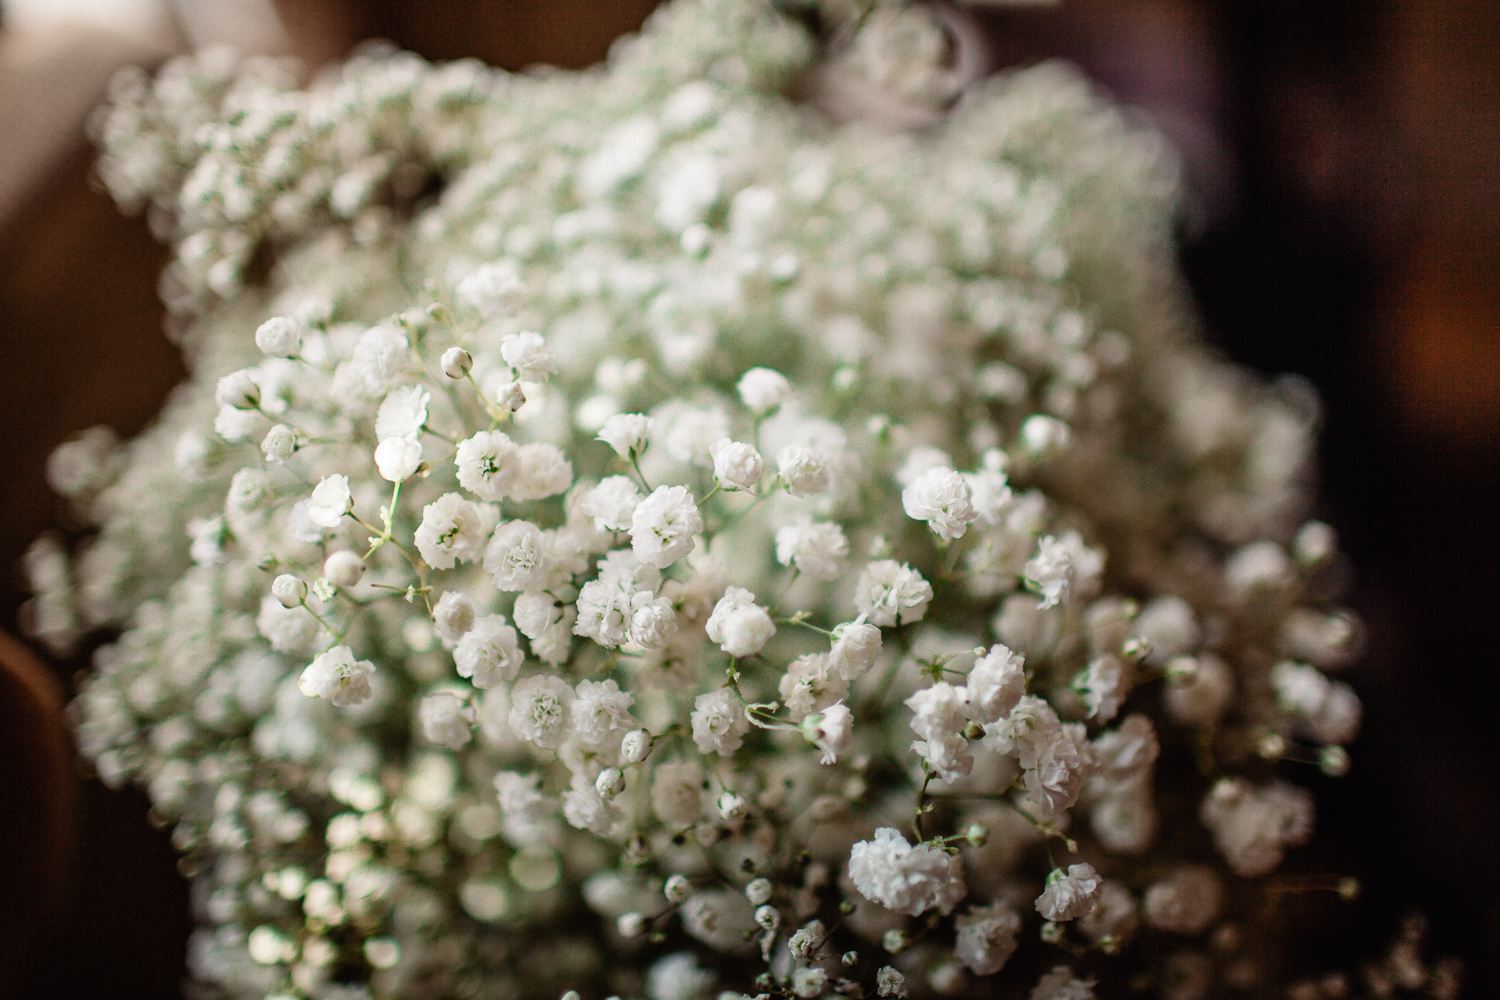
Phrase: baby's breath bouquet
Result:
[627,532]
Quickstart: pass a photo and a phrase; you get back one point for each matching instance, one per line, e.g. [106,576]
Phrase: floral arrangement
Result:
[627,533]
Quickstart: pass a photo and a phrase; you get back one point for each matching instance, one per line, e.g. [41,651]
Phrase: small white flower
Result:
[489,653]
[331,500]
[677,793]
[737,466]
[527,353]
[544,471]
[995,685]
[600,708]
[628,434]
[854,649]
[653,623]
[279,337]
[1104,685]
[739,625]
[938,711]
[279,444]
[447,720]
[809,686]
[763,389]
[397,459]
[804,471]
[1185,902]
[452,531]
[809,981]
[491,288]
[238,390]
[910,880]
[940,497]
[890,983]
[453,615]
[610,782]
[612,503]
[677,888]
[830,730]
[890,593]
[488,465]
[539,709]
[663,526]
[514,557]
[719,722]
[817,549]
[1043,436]
[1063,568]
[510,396]
[986,938]
[1061,984]
[1069,895]
[337,676]
[403,414]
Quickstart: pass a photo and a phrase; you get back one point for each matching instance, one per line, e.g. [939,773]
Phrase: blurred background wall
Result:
[1341,223]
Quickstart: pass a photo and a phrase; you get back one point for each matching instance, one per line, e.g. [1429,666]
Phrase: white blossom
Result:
[489,465]
[238,390]
[279,337]
[514,557]
[804,470]
[526,352]
[739,625]
[809,686]
[279,444]
[995,685]
[343,568]
[627,434]
[891,593]
[986,938]
[337,676]
[663,525]
[763,389]
[1253,826]
[911,880]
[452,531]
[331,500]
[397,459]
[403,414]
[854,648]
[719,722]
[612,503]
[817,549]
[941,498]
[539,710]
[1061,984]
[453,615]
[1069,895]
[830,730]
[543,472]
[1184,902]
[600,709]
[447,720]
[1063,568]
[890,983]
[737,466]
[677,793]
[489,653]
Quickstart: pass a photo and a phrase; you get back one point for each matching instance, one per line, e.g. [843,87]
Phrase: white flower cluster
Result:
[640,533]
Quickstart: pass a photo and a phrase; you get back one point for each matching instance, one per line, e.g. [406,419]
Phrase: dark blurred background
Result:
[1341,223]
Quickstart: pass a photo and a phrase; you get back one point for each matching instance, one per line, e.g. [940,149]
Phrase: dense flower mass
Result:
[644,537]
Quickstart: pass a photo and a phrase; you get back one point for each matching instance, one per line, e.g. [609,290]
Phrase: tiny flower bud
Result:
[635,747]
[677,889]
[343,568]
[279,444]
[894,941]
[631,925]
[510,396]
[457,362]
[611,782]
[976,835]
[324,590]
[1052,932]
[1271,746]
[850,959]
[1043,436]
[731,806]
[768,917]
[289,590]
[759,891]
[1349,888]
[238,389]
[1334,761]
[396,459]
